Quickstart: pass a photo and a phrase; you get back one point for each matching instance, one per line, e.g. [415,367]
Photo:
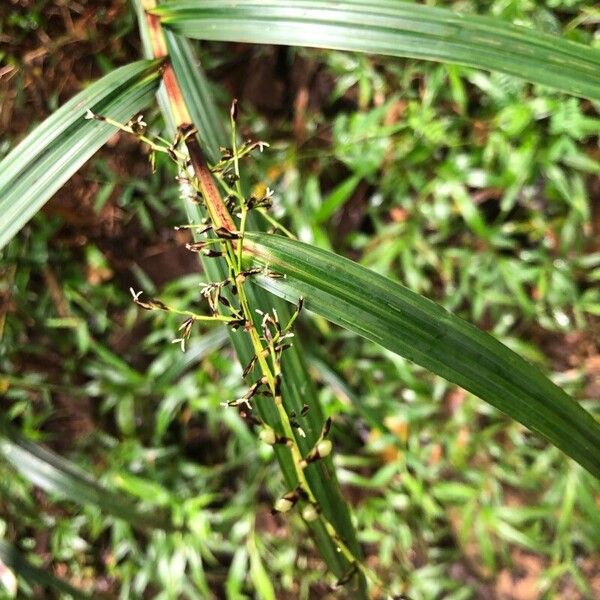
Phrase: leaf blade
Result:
[396,29]
[422,331]
[38,166]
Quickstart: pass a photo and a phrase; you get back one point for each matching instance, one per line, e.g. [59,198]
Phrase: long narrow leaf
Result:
[34,575]
[54,474]
[397,29]
[425,333]
[54,151]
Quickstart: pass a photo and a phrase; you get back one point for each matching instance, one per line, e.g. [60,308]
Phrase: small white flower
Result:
[186,189]
[261,145]
[180,341]
[135,294]
[185,185]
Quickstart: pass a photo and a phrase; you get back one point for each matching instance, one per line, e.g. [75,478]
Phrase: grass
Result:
[477,190]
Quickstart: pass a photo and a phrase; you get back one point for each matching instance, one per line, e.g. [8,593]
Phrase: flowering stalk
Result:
[279,421]
[268,344]
[268,349]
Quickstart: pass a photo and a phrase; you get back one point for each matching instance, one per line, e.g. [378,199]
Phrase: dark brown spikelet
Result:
[196,246]
[233,112]
[212,253]
[151,304]
[186,327]
[230,203]
[237,323]
[224,301]
[249,366]
[281,439]
[225,234]
[251,272]
[226,153]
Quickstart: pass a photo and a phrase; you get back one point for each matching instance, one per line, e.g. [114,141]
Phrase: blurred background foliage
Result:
[477,190]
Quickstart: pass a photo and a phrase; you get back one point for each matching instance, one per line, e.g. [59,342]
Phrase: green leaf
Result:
[55,149]
[425,333]
[15,561]
[397,29]
[57,475]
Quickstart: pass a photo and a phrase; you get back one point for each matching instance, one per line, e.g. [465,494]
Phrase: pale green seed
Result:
[267,436]
[324,448]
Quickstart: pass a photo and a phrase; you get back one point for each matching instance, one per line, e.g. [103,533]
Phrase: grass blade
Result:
[54,474]
[15,561]
[425,333]
[55,149]
[397,29]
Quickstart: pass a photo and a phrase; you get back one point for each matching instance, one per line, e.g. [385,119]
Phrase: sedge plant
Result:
[259,281]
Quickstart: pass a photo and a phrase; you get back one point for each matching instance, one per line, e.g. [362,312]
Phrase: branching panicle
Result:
[228,303]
